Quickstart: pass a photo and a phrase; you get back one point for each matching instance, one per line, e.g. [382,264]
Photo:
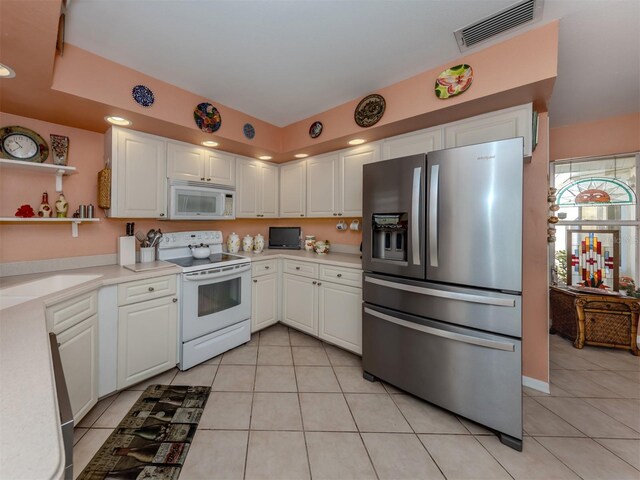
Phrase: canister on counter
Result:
[83,211]
[90,210]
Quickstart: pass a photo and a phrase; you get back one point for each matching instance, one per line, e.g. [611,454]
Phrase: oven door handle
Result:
[196,277]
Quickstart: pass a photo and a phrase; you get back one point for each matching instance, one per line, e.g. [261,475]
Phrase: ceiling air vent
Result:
[500,22]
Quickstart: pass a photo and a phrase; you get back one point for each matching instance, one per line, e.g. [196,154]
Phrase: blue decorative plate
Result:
[207,117]
[315,129]
[142,95]
[249,131]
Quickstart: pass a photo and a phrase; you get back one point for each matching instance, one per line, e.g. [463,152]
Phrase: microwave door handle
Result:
[415,216]
[433,215]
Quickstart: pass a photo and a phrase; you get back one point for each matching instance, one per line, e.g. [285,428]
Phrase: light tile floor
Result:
[286,406]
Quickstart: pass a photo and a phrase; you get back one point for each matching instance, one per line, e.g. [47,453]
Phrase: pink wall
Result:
[36,241]
[604,137]
[535,292]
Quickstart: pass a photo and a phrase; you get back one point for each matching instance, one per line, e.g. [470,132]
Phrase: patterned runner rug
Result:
[152,441]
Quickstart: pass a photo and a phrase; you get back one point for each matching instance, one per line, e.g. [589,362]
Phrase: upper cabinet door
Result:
[351,162]
[499,125]
[185,162]
[423,141]
[247,181]
[268,191]
[219,168]
[322,185]
[293,189]
[139,186]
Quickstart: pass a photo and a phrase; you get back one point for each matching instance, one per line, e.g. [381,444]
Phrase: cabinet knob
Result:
[319,283]
[175,300]
[297,268]
[266,267]
[340,214]
[202,179]
[335,214]
[59,344]
[255,281]
[339,275]
[162,214]
[314,282]
[208,179]
[302,214]
[151,289]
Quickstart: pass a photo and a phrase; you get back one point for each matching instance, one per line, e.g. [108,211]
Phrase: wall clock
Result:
[20,143]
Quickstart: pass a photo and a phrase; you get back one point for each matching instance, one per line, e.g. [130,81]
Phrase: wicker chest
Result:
[601,320]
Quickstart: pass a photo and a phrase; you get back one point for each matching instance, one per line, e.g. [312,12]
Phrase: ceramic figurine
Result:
[258,243]
[247,243]
[309,243]
[62,206]
[321,247]
[233,243]
[44,210]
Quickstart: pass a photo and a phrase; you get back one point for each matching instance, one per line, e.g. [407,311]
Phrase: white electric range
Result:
[215,310]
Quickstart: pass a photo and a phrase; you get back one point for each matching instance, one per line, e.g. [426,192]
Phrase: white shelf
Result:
[58,170]
[73,221]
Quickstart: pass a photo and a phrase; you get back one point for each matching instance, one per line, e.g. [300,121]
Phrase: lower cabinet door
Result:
[340,316]
[300,303]
[147,336]
[79,355]
[264,302]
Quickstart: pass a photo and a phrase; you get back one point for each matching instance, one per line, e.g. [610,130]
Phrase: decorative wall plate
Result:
[20,143]
[454,81]
[370,110]
[249,131]
[143,95]
[315,129]
[207,117]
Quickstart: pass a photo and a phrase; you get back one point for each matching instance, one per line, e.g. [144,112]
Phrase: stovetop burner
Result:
[211,260]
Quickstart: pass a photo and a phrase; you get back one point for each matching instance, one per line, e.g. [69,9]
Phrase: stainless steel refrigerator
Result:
[442,255]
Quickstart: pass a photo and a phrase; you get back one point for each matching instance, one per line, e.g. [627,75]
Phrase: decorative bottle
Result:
[62,206]
[45,209]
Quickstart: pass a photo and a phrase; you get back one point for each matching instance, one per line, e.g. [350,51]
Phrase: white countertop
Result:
[30,435]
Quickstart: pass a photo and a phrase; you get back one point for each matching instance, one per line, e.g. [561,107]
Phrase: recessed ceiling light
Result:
[357,141]
[122,122]
[301,155]
[210,143]
[6,71]
[265,157]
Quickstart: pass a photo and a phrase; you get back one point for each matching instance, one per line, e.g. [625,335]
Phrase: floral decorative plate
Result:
[142,95]
[454,81]
[370,110]
[207,117]
[249,131]
[315,129]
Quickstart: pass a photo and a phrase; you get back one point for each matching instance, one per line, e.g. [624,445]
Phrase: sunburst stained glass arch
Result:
[595,191]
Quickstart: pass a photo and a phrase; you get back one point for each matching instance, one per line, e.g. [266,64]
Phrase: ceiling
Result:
[286,60]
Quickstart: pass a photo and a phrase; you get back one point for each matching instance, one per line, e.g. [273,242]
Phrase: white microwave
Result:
[200,201]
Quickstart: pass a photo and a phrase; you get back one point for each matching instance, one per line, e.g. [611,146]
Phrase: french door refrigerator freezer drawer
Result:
[474,374]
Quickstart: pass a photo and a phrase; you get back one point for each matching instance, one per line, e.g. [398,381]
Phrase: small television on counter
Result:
[284,237]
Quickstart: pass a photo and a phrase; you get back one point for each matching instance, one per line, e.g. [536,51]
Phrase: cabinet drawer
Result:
[66,314]
[147,289]
[264,267]
[306,269]
[345,276]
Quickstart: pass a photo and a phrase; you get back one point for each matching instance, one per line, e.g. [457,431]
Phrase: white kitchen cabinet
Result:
[300,303]
[264,301]
[422,141]
[147,338]
[257,189]
[499,125]
[190,162]
[340,315]
[323,185]
[138,177]
[293,189]
[350,177]
[78,347]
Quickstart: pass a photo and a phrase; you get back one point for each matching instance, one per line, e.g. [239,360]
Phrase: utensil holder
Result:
[147,254]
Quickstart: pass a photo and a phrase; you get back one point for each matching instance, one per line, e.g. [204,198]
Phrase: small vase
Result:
[258,244]
[247,243]
[62,206]
[233,243]
[309,243]
[44,210]
[60,148]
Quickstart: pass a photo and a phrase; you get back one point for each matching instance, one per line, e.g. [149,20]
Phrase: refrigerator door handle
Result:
[415,216]
[458,337]
[433,215]
[464,297]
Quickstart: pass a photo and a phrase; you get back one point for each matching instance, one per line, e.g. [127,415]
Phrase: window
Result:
[598,194]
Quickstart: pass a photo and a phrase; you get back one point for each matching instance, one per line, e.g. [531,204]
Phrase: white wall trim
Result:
[535,384]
